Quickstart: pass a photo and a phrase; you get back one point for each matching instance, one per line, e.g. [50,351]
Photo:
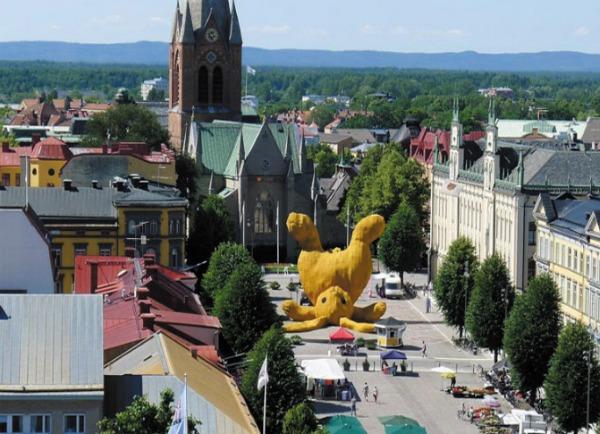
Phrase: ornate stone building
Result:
[205,65]
[487,190]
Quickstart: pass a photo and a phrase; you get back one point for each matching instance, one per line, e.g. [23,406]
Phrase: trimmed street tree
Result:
[285,388]
[244,308]
[531,333]
[212,226]
[567,384]
[453,285]
[402,243]
[300,419]
[491,300]
[223,262]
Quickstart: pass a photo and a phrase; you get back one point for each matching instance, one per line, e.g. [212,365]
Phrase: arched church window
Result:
[203,85]
[175,85]
[264,219]
[218,85]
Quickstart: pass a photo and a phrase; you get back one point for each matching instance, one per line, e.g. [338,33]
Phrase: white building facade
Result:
[158,84]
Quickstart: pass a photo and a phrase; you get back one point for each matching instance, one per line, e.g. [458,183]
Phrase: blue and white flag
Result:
[179,423]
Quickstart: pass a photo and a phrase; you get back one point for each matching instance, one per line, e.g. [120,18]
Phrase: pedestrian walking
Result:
[453,382]
[366,391]
[375,394]
[353,406]
[424,349]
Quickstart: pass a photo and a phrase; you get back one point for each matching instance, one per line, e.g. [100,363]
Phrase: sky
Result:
[491,26]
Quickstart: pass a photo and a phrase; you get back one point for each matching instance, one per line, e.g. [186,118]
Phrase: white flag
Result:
[263,375]
[179,424]
[250,70]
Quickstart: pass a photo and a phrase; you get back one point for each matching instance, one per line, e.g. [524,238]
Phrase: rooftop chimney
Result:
[5,146]
[142,293]
[144,184]
[93,277]
[104,148]
[67,184]
[95,184]
[149,259]
[145,306]
[148,320]
[130,252]
[135,180]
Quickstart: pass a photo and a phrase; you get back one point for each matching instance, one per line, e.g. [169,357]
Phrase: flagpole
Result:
[265,409]
[185,420]
[278,234]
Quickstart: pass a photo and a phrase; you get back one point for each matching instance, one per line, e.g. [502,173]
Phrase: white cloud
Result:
[108,20]
[582,31]
[270,30]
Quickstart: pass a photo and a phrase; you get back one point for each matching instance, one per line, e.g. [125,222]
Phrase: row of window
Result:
[6,180]
[80,249]
[571,292]
[40,423]
[583,263]
[152,227]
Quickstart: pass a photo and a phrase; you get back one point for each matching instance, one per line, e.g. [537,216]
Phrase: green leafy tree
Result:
[126,122]
[322,115]
[531,333]
[387,178]
[143,417]
[223,262]
[491,300]
[187,176]
[156,95]
[453,286]
[244,308]
[325,160]
[402,243]
[285,388]
[567,384]
[212,225]
[300,419]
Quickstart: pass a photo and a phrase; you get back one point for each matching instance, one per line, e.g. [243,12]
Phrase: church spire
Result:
[492,113]
[176,23]
[235,34]
[186,33]
[455,111]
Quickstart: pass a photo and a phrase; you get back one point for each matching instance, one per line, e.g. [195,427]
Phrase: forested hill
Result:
[156,53]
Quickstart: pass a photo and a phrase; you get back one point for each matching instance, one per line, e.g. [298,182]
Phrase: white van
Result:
[393,287]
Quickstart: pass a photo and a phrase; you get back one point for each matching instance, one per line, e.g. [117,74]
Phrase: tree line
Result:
[528,327]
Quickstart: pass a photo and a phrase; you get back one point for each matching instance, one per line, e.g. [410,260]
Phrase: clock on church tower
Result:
[205,65]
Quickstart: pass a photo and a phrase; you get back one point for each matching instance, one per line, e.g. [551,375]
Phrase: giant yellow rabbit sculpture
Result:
[334,280]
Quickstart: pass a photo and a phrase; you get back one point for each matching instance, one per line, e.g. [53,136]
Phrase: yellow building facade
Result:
[568,249]
[116,221]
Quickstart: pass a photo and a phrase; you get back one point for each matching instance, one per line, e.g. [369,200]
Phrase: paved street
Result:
[418,395]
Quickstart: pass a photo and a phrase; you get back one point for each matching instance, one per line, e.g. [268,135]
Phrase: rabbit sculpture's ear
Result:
[369,229]
[303,230]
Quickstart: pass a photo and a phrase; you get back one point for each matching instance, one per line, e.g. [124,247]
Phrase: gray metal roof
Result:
[572,215]
[87,202]
[592,131]
[51,343]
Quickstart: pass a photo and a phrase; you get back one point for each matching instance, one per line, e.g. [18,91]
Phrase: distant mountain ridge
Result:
[156,53]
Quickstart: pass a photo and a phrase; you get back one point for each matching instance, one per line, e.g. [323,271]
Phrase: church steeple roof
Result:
[235,35]
[186,34]
[202,9]
[176,22]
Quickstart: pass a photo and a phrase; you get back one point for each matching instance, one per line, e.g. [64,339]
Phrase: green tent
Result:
[401,425]
[344,425]
[404,429]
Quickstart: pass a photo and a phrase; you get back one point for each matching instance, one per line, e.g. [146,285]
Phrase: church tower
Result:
[205,65]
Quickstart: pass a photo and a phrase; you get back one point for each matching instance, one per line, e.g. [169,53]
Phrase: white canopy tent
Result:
[322,369]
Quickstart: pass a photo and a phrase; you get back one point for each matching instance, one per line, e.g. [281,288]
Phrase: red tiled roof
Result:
[11,157]
[51,149]
[142,299]
[422,147]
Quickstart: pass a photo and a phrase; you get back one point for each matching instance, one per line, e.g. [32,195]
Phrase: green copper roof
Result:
[219,142]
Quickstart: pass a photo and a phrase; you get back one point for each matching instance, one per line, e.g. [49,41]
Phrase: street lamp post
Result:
[466,295]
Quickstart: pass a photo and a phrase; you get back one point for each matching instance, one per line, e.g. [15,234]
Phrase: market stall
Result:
[345,341]
[325,379]
[389,360]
